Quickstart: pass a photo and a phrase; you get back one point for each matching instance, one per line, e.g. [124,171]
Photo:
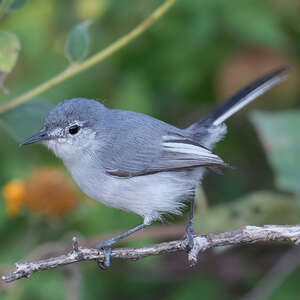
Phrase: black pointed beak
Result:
[39,137]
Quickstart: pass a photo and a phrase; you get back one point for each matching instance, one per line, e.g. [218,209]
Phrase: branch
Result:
[244,235]
[98,57]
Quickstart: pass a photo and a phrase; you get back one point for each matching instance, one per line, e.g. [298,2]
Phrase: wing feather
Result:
[178,153]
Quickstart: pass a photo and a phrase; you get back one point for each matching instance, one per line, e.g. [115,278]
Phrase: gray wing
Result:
[169,152]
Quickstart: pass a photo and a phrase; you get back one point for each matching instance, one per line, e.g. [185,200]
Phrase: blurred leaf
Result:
[4,6]
[258,208]
[279,133]
[17,4]
[9,51]
[90,9]
[26,119]
[78,43]
[254,23]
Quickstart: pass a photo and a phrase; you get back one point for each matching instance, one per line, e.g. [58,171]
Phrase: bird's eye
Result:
[74,129]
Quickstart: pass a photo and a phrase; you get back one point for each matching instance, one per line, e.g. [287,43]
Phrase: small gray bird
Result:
[137,163]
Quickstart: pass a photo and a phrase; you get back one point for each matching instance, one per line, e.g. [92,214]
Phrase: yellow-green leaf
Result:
[9,50]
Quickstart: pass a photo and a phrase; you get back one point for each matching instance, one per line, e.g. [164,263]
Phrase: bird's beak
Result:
[41,136]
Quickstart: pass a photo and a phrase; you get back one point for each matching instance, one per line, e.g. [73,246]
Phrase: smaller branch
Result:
[75,245]
[244,235]
[95,59]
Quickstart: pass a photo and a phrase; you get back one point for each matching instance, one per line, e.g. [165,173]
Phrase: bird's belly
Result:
[148,196]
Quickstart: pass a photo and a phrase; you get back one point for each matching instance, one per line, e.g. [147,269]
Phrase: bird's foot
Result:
[106,246]
[189,235]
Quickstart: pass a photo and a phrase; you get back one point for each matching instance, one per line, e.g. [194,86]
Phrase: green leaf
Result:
[78,43]
[17,4]
[26,119]
[264,28]
[279,133]
[9,51]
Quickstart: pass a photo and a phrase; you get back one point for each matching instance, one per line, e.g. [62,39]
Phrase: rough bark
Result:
[244,235]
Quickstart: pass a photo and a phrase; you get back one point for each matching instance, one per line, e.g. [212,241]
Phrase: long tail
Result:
[245,96]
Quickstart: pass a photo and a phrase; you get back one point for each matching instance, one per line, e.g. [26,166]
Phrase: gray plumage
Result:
[137,163]
[128,160]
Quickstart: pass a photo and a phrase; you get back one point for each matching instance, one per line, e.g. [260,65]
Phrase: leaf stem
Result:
[98,57]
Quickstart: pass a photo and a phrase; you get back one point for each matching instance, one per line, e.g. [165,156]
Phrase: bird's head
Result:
[70,127]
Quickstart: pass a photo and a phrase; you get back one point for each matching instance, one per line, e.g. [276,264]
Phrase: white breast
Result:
[149,196]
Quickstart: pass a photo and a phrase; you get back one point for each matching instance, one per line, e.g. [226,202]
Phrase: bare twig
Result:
[244,235]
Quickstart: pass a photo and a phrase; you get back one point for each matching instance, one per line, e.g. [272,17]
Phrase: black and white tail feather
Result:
[191,148]
[194,150]
[211,128]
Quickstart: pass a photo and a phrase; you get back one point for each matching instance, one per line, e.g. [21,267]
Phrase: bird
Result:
[137,163]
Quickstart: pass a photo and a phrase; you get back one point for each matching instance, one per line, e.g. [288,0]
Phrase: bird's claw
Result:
[106,246]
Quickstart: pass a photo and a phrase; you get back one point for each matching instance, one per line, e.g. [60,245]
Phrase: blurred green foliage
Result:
[78,43]
[10,47]
[34,113]
[280,136]
[177,71]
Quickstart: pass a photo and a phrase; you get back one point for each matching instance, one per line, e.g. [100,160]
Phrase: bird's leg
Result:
[189,232]
[106,245]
